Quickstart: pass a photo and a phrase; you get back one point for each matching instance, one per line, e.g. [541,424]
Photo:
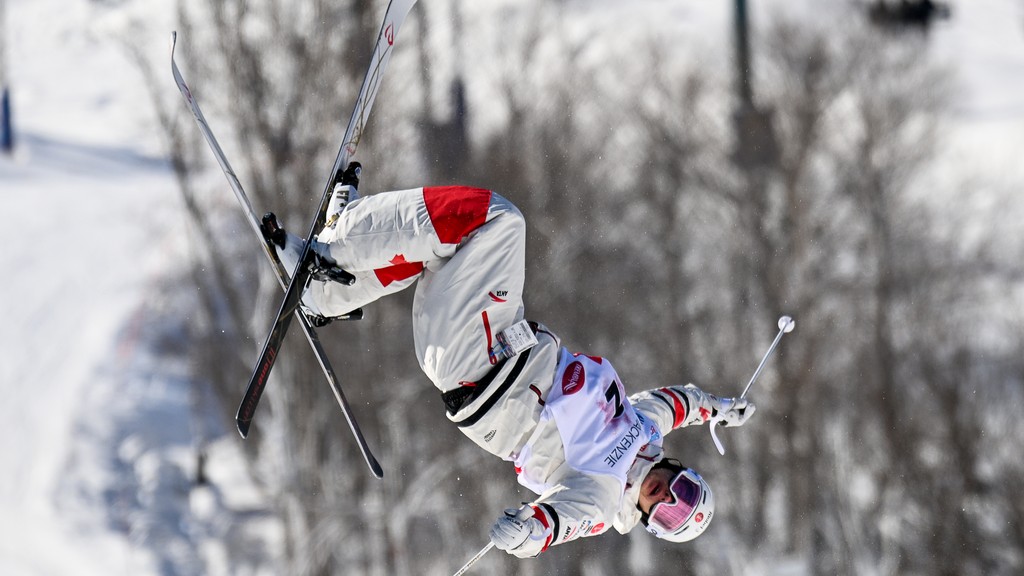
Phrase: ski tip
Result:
[243,427]
[378,472]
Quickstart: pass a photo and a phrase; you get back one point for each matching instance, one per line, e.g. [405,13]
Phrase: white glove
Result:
[731,411]
[519,533]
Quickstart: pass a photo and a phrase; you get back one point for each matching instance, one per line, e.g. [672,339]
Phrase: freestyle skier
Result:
[593,455]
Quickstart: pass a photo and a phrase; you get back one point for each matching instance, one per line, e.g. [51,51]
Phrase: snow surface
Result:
[94,430]
[80,198]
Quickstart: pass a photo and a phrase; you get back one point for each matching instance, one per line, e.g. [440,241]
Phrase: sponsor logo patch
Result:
[706,519]
[573,378]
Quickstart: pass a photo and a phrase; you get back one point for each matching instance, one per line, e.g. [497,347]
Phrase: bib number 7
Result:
[614,395]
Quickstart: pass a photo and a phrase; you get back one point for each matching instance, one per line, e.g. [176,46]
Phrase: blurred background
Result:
[690,171]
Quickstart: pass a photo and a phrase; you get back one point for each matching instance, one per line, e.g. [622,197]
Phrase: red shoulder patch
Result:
[455,211]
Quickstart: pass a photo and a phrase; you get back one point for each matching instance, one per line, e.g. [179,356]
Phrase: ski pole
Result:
[473,560]
[786,325]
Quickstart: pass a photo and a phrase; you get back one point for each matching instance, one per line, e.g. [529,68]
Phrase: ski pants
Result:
[466,248]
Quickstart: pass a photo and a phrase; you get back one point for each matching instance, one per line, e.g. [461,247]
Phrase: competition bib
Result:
[600,430]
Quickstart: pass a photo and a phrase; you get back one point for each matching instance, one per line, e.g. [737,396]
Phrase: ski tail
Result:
[394,17]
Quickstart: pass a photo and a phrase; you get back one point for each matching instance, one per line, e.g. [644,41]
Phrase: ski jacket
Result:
[586,459]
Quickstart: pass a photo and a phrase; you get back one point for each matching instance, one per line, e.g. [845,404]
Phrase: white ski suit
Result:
[582,445]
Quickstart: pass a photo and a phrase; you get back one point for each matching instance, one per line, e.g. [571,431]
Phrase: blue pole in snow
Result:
[6,134]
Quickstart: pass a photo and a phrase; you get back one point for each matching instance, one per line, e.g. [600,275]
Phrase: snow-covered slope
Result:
[87,215]
[75,217]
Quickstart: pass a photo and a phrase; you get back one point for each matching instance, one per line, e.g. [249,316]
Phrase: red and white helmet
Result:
[688,514]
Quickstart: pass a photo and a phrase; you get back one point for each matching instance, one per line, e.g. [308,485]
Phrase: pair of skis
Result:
[393,18]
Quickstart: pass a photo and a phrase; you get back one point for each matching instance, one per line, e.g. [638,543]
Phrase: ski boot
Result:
[345,190]
[321,267]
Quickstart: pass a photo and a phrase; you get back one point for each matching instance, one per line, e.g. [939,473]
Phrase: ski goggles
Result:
[668,517]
